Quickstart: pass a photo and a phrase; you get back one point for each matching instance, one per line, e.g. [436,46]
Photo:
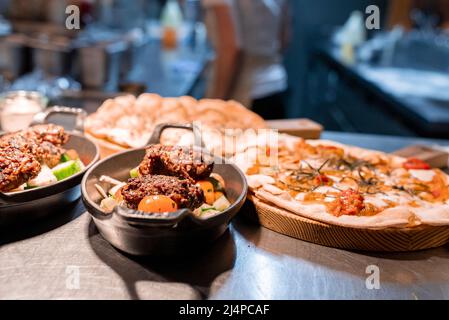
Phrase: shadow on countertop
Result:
[198,271]
[53,220]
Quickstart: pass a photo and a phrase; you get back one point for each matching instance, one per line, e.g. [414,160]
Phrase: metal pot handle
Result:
[157,133]
[80,116]
[134,217]
[158,220]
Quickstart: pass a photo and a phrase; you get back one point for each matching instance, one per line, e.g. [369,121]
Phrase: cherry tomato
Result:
[157,204]
[415,164]
[349,202]
[329,147]
[322,179]
[208,190]
[118,195]
[436,193]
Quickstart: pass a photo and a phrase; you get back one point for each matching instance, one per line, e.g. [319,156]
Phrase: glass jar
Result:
[18,108]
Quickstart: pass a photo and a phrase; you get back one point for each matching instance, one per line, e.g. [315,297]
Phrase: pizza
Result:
[345,185]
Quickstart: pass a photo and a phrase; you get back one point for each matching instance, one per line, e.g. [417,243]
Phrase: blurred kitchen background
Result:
[393,80]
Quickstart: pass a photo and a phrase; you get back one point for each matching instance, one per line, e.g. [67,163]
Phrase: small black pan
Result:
[29,205]
[176,233]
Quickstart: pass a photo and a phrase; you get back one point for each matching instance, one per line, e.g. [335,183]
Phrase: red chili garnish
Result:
[436,193]
[268,151]
[415,164]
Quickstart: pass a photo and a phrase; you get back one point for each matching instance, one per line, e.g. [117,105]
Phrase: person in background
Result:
[248,37]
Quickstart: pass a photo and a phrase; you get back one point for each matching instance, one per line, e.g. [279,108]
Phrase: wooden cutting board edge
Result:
[373,240]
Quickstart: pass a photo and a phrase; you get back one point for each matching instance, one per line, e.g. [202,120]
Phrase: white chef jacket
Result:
[258,24]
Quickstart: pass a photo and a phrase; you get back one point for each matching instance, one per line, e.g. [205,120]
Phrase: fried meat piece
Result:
[49,154]
[51,133]
[43,141]
[16,168]
[181,191]
[176,161]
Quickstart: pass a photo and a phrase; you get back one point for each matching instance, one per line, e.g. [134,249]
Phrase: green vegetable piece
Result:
[80,164]
[67,169]
[207,209]
[65,157]
[134,173]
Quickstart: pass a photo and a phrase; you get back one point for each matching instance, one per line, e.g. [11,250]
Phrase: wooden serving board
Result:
[380,240]
[301,127]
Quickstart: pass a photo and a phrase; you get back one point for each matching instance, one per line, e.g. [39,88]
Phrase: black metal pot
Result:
[176,233]
[26,206]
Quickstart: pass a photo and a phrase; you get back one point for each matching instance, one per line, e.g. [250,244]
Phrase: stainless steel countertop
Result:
[248,262]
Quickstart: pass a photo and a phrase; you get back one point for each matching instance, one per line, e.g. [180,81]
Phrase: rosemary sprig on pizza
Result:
[349,186]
